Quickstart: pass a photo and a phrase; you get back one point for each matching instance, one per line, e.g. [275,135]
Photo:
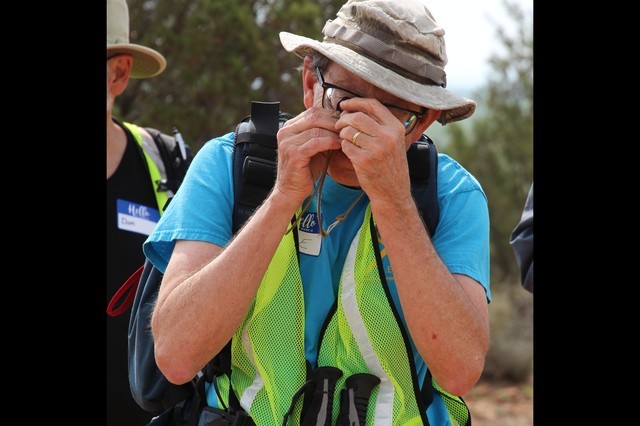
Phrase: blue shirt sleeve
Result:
[462,236]
[201,209]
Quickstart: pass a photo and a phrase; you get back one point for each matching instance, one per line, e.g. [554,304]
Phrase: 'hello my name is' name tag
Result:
[309,234]
[137,218]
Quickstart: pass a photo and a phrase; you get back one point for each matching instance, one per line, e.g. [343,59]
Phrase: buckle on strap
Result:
[211,416]
[355,399]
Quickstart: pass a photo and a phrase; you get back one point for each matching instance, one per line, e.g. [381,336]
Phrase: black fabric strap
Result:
[422,158]
[427,389]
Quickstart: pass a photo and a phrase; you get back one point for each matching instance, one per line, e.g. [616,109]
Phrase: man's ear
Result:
[120,71]
[308,82]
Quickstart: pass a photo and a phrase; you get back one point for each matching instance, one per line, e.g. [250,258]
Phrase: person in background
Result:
[521,240]
[335,276]
[132,204]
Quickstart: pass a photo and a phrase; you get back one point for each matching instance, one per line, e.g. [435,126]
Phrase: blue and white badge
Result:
[137,218]
[309,234]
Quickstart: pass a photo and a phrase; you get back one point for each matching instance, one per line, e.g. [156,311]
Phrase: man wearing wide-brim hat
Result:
[340,307]
[129,187]
[146,62]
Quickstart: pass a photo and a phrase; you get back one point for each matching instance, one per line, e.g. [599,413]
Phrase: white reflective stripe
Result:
[250,392]
[384,403]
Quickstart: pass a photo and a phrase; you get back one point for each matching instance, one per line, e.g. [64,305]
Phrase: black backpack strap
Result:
[422,157]
[220,365]
[174,163]
[255,154]
[423,171]
[427,389]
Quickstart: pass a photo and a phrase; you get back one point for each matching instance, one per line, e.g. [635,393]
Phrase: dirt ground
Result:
[501,404]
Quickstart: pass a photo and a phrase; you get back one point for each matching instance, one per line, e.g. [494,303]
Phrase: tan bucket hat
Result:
[146,62]
[394,45]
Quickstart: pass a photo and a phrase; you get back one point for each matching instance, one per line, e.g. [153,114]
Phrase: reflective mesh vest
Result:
[154,163]
[363,334]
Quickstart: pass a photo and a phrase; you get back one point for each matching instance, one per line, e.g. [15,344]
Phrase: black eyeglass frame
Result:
[325,86]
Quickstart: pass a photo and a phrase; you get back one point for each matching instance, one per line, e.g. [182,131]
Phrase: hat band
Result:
[379,51]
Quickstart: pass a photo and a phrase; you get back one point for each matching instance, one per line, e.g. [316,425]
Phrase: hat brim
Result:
[146,62]
[453,107]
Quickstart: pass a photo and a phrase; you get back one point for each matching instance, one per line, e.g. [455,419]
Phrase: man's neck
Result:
[116,144]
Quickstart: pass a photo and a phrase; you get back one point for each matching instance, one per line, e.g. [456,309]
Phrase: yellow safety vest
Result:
[362,335]
[154,162]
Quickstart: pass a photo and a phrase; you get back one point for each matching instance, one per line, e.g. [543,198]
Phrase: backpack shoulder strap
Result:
[423,170]
[157,148]
[255,152]
[151,157]
[171,154]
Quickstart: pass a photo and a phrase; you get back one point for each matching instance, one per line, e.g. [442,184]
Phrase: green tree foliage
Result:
[221,55]
[497,146]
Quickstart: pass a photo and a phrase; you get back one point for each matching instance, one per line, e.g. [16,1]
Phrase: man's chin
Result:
[341,170]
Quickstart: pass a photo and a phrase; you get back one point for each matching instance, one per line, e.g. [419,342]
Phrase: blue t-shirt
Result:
[202,210]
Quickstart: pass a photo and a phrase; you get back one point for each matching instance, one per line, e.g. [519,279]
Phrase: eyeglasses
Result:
[332,95]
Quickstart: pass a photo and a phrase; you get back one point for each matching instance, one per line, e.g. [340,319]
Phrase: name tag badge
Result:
[137,218]
[309,234]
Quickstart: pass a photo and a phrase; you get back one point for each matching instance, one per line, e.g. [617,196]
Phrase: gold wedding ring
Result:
[354,137]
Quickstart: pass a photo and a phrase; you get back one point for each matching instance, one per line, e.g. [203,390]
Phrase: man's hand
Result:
[304,143]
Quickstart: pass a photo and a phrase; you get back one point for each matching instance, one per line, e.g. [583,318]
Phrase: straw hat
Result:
[394,45]
[146,62]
